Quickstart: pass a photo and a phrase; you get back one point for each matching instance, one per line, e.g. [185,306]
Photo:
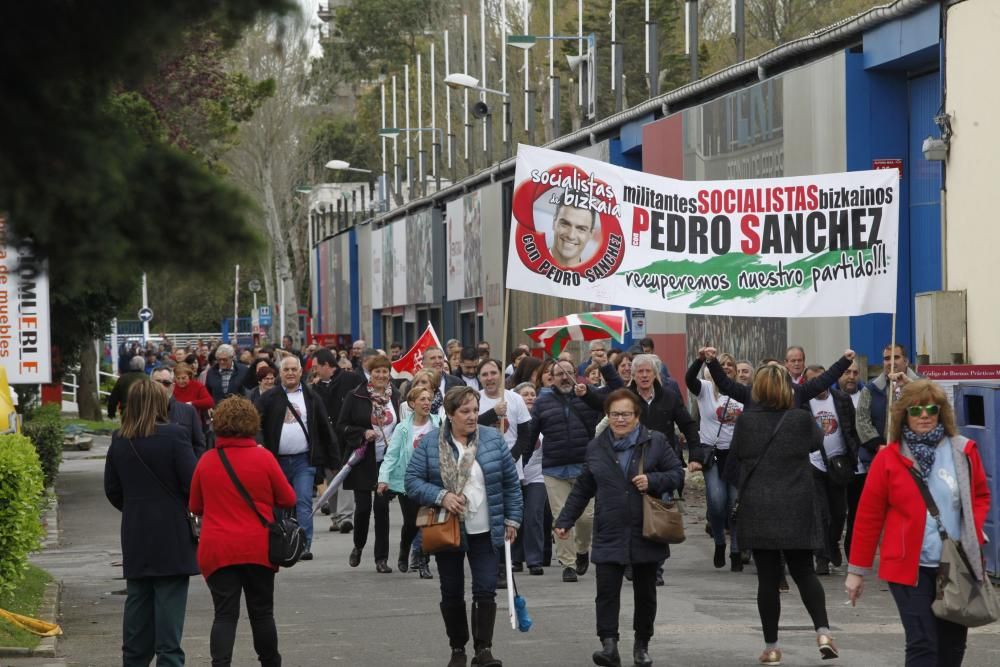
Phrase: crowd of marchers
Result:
[808,472]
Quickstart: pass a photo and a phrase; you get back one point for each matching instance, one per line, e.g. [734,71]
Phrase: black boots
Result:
[424,566]
[719,559]
[640,653]
[456,625]
[402,560]
[484,615]
[735,562]
[608,655]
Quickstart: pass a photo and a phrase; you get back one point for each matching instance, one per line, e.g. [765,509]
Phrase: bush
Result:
[21,501]
[45,429]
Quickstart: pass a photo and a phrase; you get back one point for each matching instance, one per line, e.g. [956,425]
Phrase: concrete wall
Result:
[972,234]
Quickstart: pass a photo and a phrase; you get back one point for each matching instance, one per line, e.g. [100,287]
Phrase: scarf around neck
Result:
[454,474]
[624,448]
[380,399]
[924,447]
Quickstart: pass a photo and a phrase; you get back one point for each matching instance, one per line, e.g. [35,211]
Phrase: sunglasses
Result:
[916,410]
[165,383]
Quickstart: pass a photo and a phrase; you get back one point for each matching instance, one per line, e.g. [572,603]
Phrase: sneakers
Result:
[582,563]
[770,656]
[535,570]
[569,575]
[826,647]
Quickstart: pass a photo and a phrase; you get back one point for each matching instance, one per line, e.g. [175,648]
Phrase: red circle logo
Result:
[576,249]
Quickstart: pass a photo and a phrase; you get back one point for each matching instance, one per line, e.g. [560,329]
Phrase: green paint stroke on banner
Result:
[733,264]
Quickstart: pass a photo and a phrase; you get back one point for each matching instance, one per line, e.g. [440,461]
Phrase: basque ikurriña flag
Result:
[411,362]
[555,334]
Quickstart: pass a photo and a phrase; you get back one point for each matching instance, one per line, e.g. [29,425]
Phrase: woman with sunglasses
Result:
[923,443]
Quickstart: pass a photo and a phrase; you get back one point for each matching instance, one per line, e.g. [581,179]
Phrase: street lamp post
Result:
[461,80]
[392,132]
[586,63]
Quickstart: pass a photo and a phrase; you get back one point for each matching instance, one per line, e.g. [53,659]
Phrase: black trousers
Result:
[833,501]
[770,572]
[226,584]
[409,530]
[853,498]
[362,515]
[609,592]
[930,642]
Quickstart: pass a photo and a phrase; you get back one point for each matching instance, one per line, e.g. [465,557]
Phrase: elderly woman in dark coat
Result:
[368,417]
[778,514]
[625,461]
[147,475]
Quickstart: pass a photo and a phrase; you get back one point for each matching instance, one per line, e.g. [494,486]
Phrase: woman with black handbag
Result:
[776,512]
[147,475]
[925,456]
[234,548]
[624,462]
[467,470]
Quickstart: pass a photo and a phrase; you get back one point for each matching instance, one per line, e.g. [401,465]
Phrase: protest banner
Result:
[804,246]
[25,348]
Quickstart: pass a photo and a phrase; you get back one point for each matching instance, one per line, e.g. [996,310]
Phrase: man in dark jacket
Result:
[227,376]
[296,429]
[567,416]
[182,414]
[663,409]
[833,411]
[116,399]
[333,385]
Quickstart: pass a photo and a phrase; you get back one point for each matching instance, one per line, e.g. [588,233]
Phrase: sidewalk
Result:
[329,613]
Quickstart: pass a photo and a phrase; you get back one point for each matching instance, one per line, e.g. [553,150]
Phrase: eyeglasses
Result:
[916,410]
[621,415]
[165,383]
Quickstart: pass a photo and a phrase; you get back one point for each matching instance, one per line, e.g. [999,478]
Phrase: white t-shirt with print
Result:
[388,426]
[718,415]
[517,413]
[825,414]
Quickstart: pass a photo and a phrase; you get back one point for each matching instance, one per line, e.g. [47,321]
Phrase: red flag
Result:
[411,362]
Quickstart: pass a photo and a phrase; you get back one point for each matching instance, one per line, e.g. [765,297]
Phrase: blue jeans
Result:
[721,497]
[530,544]
[302,477]
[483,562]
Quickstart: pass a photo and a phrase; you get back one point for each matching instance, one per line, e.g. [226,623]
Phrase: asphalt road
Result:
[331,614]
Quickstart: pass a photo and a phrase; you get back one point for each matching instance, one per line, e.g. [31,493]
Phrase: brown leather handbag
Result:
[439,529]
[662,521]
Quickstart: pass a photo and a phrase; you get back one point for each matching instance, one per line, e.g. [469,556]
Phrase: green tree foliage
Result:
[87,168]
[376,36]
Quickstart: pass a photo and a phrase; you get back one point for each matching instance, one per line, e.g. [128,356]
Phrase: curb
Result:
[49,611]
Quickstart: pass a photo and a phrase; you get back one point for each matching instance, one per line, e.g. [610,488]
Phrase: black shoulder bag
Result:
[743,486]
[194,521]
[286,540]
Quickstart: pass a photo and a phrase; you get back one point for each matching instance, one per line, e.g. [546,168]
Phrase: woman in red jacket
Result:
[232,552]
[924,439]
[190,391]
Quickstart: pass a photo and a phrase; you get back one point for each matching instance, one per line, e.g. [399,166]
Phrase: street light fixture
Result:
[460,80]
[342,165]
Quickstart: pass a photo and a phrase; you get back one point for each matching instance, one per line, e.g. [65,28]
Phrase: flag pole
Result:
[891,387]
[506,322]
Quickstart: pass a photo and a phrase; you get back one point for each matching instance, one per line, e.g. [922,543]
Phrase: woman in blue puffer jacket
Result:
[467,469]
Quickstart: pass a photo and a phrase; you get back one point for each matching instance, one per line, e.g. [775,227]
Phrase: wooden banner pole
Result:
[890,388]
